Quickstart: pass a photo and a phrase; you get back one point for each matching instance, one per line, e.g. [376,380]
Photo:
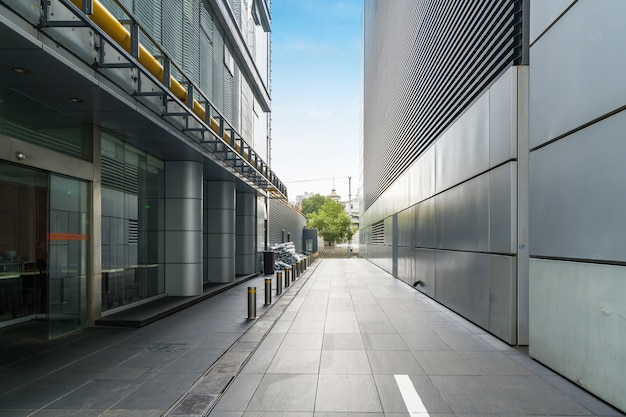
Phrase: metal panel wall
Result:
[577,196]
[463,227]
[424,63]
[284,217]
[585,76]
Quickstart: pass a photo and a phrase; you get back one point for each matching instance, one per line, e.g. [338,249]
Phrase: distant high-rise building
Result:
[493,170]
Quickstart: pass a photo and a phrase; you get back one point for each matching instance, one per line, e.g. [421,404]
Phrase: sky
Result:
[316,95]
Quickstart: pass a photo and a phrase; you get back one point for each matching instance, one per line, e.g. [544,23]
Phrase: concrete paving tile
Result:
[295,362]
[96,395]
[533,395]
[341,326]
[343,341]
[347,393]
[277,414]
[272,341]
[259,362]
[425,339]
[239,393]
[17,412]
[393,362]
[219,413]
[194,360]
[284,392]
[326,414]
[392,400]
[474,395]
[583,397]
[132,413]
[494,363]
[443,363]
[161,391]
[344,362]
[307,326]
[300,341]
[368,308]
[447,326]
[281,326]
[377,327]
[375,341]
[465,342]
[521,356]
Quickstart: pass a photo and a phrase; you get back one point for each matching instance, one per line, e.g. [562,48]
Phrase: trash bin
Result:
[268,262]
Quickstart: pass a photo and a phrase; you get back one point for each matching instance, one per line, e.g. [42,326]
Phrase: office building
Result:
[493,177]
[133,153]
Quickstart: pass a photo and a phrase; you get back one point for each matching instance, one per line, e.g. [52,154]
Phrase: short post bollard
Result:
[279,283]
[251,303]
[286,279]
[293,275]
[268,291]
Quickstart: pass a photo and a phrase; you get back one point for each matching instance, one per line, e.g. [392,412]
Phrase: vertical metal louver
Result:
[424,64]
[191,39]
[218,70]
[149,15]
[171,29]
[206,49]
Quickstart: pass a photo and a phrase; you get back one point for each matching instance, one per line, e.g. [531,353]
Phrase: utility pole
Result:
[350,193]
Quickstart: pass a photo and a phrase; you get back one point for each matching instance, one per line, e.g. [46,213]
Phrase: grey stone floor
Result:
[352,334]
[342,341]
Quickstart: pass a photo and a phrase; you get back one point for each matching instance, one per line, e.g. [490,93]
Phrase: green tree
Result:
[313,204]
[332,222]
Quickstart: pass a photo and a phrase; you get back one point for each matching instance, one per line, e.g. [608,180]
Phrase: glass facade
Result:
[132,224]
[23,243]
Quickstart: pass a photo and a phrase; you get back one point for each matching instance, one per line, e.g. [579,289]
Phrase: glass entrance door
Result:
[68,249]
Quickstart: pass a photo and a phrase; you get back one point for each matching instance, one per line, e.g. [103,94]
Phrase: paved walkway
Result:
[345,340]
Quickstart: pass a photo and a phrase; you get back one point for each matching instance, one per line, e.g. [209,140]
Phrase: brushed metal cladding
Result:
[578,194]
[425,221]
[462,284]
[503,209]
[219,221]
[503,118]
[544,13]
[405,227]
[178,282]
[183,246]
[463,150]
[425,62]
[424,270]
[578,329]
[405,265]
[462,216]
[220,245]
[220,269]
[245,225]
[220,195]
[245,245]
[422,177]
[579,50]
[503,297]
[184,214]
[183,179]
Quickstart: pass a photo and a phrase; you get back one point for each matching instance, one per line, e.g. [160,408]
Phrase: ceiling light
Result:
[75,100]
[20,70]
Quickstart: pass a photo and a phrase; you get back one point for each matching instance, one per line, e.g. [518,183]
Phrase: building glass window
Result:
[132,224]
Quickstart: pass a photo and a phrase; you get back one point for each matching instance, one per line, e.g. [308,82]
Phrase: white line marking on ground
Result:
[412,400]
